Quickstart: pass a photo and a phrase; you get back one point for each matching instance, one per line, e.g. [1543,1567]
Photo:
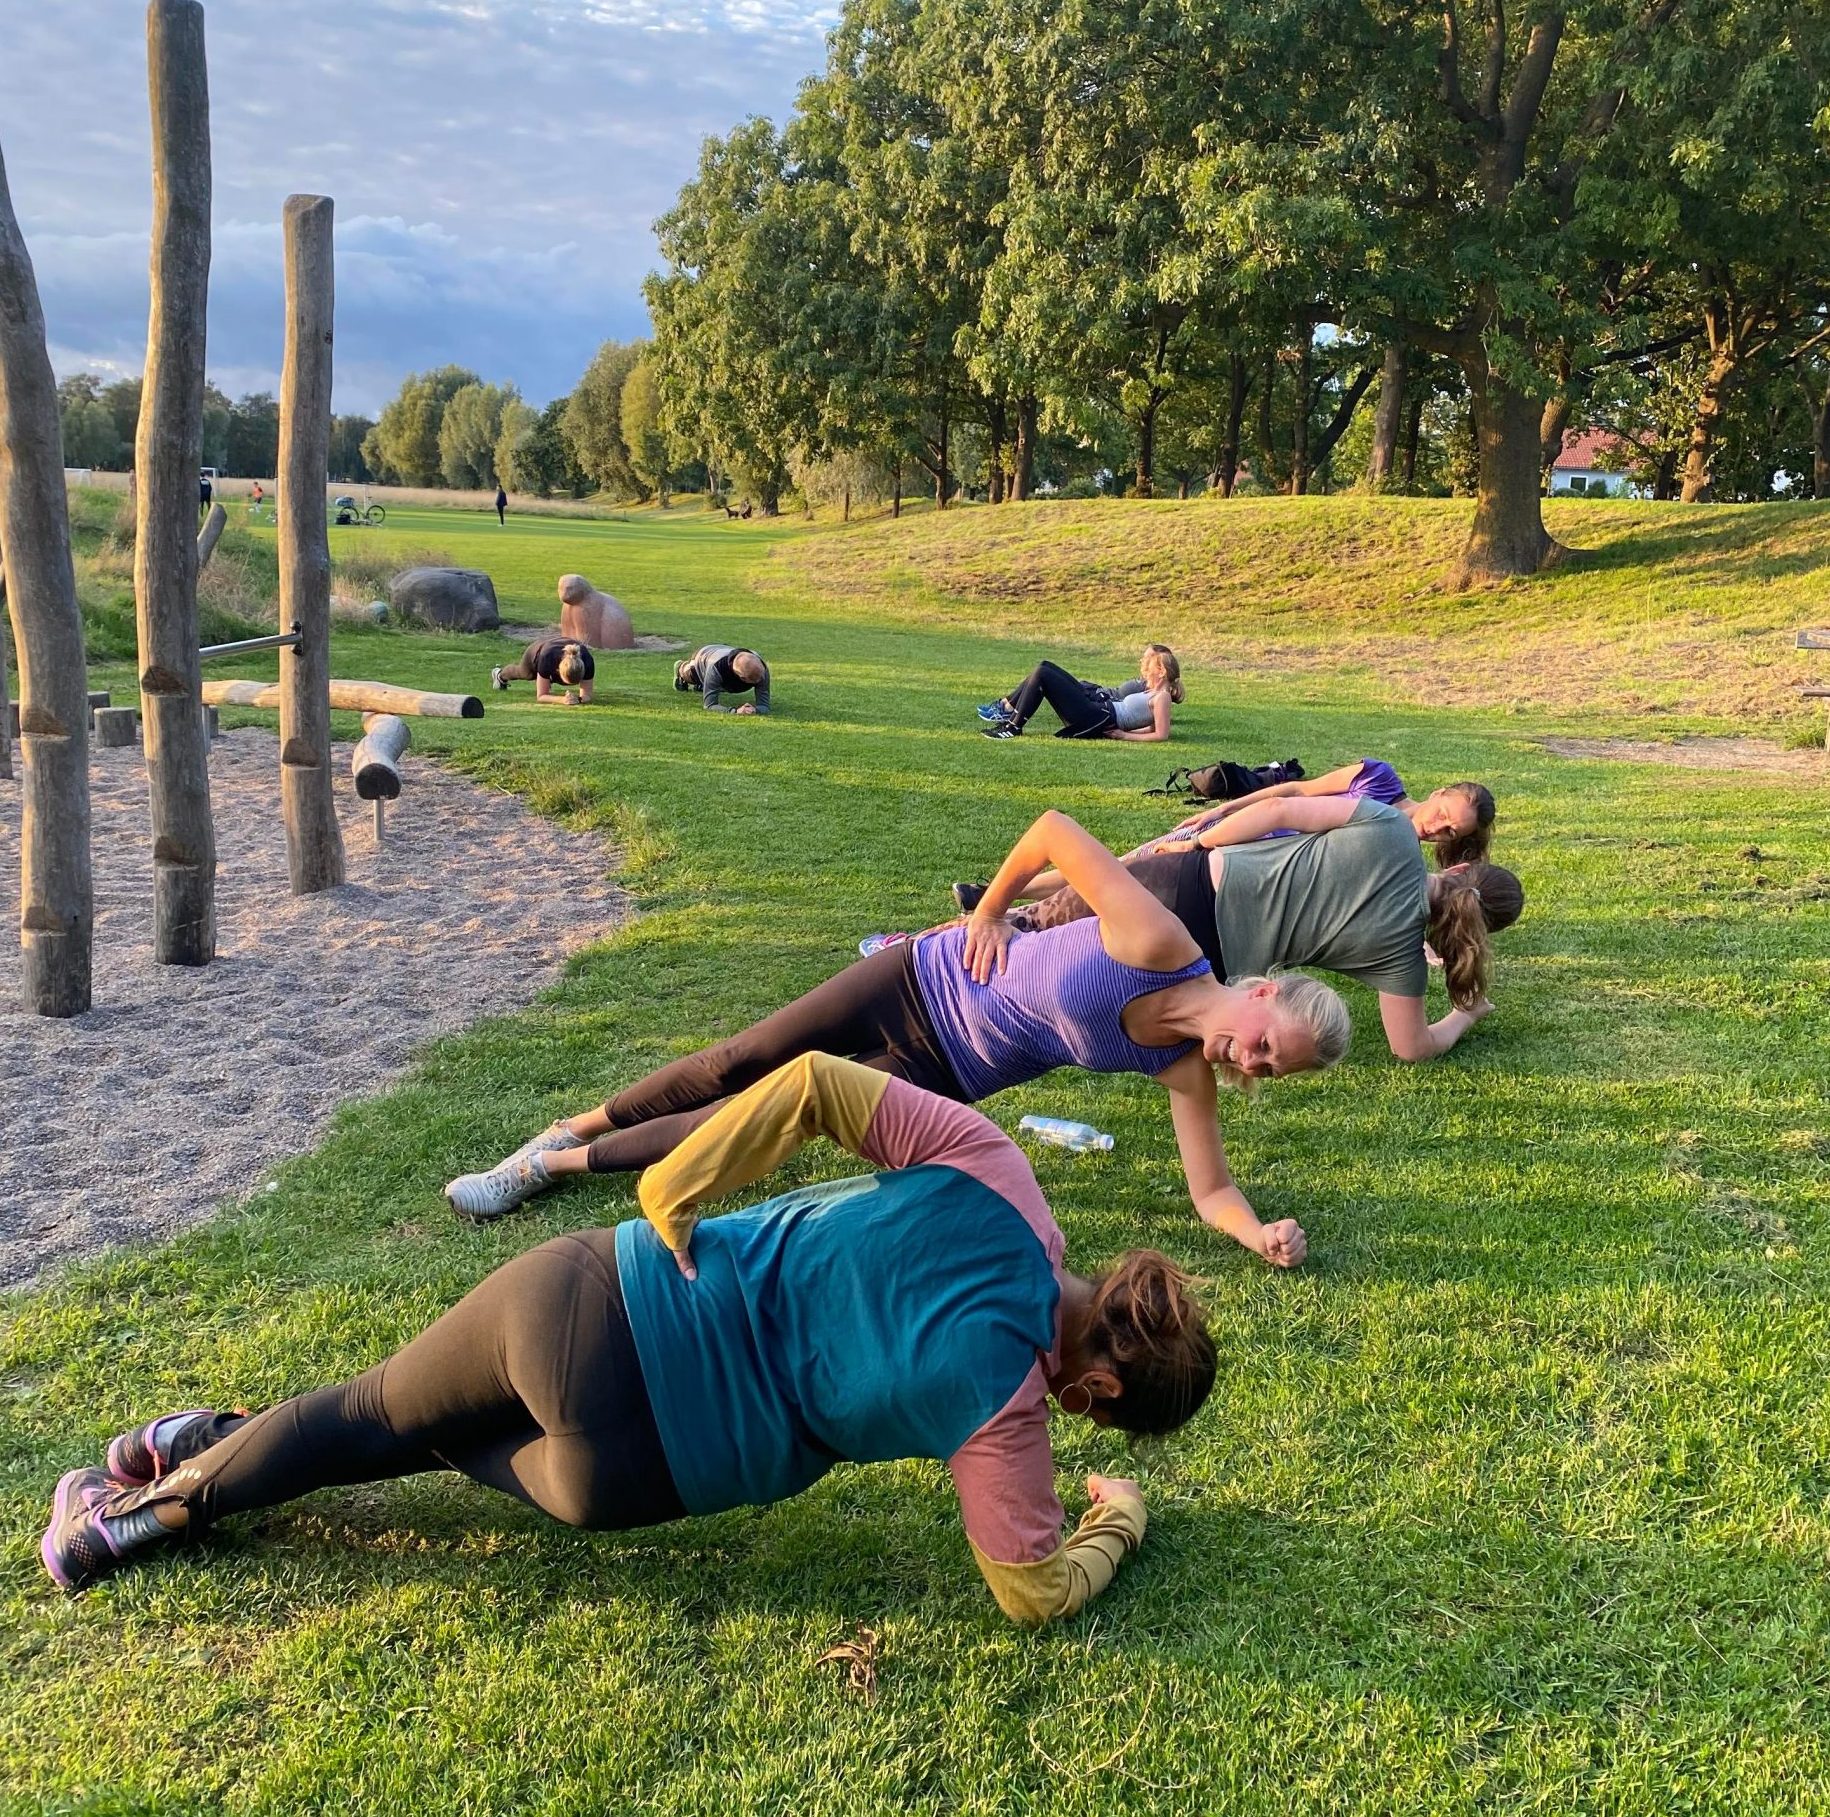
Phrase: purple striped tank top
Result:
[1058,1002]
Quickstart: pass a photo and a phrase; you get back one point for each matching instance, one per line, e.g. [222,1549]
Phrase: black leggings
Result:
[1182,881]
[522,668]
[530,1383]
[1082,714]
[871,1012]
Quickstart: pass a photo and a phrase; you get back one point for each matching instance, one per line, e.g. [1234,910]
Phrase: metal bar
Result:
[286,640]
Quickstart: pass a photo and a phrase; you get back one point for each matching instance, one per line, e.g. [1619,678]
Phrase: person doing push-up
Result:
[720,669]
[549,661]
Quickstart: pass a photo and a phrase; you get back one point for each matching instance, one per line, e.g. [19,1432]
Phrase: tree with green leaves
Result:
[347,434]
[403,446]
[515,463]
[644,430]
[591,421]
[468,430]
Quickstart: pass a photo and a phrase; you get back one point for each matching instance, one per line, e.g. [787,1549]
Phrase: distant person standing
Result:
[501,507]
[256,499]
[206,492]
[720,669]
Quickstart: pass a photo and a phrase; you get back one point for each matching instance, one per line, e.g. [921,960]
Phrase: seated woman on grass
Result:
[1136,711]
[1456,820]
[1349,893]
[964,1013]
[549,661]
[620,1378]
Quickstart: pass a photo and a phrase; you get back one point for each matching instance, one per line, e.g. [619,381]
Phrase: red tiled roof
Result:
[1582,451]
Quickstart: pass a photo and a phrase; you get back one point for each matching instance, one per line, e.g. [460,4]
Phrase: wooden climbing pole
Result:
[56,902]
[314,845]
[168,454]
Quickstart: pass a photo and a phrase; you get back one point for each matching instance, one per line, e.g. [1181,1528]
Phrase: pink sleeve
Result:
[1005,1475]
[912,1126]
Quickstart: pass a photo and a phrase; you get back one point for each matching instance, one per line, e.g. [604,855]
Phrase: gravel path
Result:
[181,1086]
[1698,753]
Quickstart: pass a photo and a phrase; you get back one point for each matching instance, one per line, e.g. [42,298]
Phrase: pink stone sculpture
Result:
[592,617]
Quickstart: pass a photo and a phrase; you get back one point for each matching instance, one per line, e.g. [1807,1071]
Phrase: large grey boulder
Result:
[453,599]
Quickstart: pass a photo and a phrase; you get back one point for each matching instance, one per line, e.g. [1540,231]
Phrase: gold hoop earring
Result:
[1084,1389]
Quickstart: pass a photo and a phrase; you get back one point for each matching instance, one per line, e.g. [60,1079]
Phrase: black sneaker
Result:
[97,1527]
[969,896]
[1005,728]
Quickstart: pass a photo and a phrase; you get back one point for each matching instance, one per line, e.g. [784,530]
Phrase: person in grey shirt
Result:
[1347,891]
[720,669]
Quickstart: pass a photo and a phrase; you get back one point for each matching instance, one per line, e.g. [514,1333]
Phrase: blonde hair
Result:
[572,665]
[1168,671]
[1316,1008]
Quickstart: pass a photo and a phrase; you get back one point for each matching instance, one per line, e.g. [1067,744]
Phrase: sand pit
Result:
[180,1087]
[1698,753]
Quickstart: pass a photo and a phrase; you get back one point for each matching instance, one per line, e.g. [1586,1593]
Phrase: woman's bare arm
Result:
[1317,814]
[1135,927]
[1412,1036]
[1194,1108]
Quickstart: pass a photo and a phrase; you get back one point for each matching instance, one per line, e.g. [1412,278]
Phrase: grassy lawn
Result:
[1513,1499]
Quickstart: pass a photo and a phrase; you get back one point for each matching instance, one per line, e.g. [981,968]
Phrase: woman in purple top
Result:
[966,1011]
[1456,820]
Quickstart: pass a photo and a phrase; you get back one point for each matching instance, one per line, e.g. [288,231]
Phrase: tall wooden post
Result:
[6,715]
[56,902]
[168,454]
[314,845]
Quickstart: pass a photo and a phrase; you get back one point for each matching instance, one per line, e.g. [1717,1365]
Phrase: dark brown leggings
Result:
[871,1012]
[530,1383]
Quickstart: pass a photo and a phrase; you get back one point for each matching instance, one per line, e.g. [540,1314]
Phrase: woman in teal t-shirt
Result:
[618,1378]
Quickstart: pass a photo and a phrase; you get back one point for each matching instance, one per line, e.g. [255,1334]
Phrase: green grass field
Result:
[1513,1499]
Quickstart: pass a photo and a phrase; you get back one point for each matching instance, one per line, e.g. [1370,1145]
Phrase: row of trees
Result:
[1199,236]
[240,438]
[449,428]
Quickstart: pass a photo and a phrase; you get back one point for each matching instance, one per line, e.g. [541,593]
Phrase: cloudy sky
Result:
[496,166]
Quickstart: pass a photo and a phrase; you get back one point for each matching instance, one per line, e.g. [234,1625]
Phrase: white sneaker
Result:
[495,679]
[481,1196]
[555,1135]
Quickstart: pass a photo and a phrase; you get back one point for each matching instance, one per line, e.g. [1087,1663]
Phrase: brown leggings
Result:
[871,1012]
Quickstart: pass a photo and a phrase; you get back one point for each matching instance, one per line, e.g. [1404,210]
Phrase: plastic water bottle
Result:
[1059,1132]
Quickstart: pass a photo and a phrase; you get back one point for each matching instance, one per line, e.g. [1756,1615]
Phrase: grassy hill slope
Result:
[1684,610]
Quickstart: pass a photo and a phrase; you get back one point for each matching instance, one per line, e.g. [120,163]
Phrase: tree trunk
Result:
[1023,467]
[1269,466]
[1324,445]
[1707,420]
[1413,434]
[1388,418]
[1820,445]
[314,843]
[56,901]
[1299,424]
[1182,487]
[1226,469]
[896,496]
[1508,537]
[167,455]
[997,421]
[1664,480]
[1145,476]
[941,450]
[845,517]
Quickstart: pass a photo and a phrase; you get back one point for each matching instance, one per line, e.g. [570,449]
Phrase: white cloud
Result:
[496,167]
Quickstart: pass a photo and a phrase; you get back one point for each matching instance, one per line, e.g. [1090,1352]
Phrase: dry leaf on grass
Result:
[859,1658]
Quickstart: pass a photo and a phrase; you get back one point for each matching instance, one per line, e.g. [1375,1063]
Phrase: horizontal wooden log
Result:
[351,697]
[375,762]
[116,727]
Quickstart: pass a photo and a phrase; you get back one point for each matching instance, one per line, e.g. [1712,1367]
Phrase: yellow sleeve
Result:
[756,1132]
[1072,1575]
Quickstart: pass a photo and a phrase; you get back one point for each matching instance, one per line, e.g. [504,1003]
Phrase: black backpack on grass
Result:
[1224,781]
